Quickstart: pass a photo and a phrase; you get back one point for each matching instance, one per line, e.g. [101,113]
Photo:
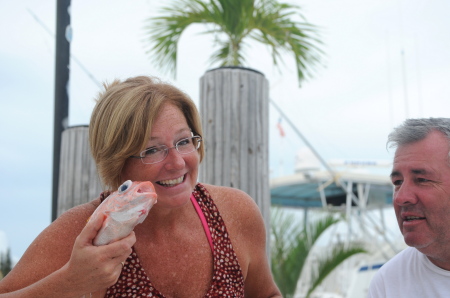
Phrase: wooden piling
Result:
[78,179]
[234,106]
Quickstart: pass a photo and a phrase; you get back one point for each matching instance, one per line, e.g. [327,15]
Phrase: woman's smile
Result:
[171,182]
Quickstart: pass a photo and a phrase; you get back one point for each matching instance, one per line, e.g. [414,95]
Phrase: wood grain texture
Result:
[79,182]
[234,107]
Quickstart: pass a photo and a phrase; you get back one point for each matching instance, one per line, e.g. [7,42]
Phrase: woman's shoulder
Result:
[68,225]
[237,208]
[231,199]
[224,192]
[82,211]
[62,232]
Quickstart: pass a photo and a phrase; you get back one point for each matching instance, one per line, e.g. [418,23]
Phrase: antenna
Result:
[403,61]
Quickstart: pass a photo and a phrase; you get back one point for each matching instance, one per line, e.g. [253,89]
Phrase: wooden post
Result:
[62,73]
[234,107]
[78,179]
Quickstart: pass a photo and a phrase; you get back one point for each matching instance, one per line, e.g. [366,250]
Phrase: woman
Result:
[197,241]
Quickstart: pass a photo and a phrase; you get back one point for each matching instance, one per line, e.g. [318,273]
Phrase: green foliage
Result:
[291,245]
[232,22]
[5,263]
[338,254]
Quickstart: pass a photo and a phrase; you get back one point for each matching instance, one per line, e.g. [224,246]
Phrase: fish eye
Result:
[124,186]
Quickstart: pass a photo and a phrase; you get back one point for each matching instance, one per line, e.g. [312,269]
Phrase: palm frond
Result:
[265,21]
[320,226]
[287,250]
[331,261]
[165,31]
[275,27]
[292,244]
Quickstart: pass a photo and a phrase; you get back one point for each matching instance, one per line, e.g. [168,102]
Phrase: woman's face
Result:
[175,177]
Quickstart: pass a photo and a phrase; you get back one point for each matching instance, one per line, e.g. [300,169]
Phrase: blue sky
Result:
[346,111]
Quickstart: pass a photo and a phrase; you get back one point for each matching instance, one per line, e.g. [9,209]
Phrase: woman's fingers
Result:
[91,229]
[120,249]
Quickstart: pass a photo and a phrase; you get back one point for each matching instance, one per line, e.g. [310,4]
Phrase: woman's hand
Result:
[93,268]
[63,262]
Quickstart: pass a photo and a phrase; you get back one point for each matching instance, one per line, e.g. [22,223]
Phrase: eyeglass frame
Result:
[166,149]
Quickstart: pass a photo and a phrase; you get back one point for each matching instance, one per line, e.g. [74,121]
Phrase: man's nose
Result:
[405,194]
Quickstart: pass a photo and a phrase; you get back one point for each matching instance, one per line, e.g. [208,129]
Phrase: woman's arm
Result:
[63,262]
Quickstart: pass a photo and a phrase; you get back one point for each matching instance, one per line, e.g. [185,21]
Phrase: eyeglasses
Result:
[159,153]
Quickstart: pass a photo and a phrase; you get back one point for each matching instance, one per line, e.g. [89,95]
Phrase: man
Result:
[421,179]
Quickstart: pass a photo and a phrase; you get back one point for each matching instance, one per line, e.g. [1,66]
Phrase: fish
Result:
[123,210]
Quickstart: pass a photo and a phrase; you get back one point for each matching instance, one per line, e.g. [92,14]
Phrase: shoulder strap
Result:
[203,220]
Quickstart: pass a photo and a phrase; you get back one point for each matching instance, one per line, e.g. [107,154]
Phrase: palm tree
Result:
[5,263]
[232,22]
[291,245]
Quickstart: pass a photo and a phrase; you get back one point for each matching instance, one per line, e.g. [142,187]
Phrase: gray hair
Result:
[413,130]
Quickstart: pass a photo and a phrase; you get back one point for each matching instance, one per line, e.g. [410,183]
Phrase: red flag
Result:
[280,128]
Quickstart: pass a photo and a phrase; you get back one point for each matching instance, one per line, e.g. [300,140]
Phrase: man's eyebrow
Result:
[413,171]
[419,171]
[395,174]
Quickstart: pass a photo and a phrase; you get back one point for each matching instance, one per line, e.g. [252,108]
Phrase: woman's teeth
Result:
[171,182]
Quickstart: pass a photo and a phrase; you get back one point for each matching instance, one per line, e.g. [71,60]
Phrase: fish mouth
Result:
[171,182]
[145,188]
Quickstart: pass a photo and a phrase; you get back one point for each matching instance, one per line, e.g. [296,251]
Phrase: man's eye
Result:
[421,180]
[397,182]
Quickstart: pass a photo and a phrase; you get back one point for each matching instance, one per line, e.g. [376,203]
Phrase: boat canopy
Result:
[319,189]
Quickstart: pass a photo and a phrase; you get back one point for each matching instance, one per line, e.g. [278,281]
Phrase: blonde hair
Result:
[122,119]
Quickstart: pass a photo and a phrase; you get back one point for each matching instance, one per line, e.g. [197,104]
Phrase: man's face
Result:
[421,178]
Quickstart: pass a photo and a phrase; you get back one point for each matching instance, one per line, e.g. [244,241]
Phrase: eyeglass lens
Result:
[159,153]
